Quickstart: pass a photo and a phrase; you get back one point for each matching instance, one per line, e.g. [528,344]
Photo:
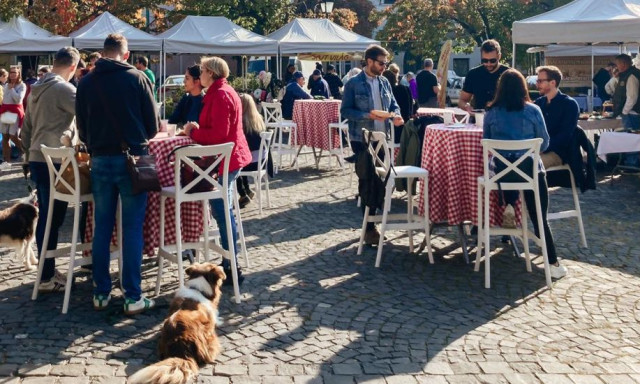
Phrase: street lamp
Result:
[326,7]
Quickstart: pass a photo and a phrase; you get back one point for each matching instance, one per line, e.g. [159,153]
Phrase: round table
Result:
[313,118]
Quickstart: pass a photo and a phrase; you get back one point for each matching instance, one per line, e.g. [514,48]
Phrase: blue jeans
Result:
[110,179]
[40,176]
[218,209]
[631,123]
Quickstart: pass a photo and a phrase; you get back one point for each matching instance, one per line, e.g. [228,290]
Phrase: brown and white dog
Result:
[188,337]
[17,228]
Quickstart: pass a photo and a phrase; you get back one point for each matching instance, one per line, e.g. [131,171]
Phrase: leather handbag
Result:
[84,171]
[188,174]
[9,118]
[143,173]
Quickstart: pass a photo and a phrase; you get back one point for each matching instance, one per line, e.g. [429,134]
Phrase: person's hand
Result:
[189,126]
[375,117]
[468,108]
[398,121]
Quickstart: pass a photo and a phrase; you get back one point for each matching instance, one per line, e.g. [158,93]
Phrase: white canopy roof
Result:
[318,35]
[215,35]
[582,21]
[20,35]
[93,34]
[582,50]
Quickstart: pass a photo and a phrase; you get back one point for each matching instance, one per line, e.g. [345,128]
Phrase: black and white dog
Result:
[17,230]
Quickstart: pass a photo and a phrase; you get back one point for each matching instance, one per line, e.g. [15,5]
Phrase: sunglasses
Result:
[383,63]
[492,61]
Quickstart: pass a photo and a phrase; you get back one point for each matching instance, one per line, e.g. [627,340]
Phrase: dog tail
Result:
[174,370]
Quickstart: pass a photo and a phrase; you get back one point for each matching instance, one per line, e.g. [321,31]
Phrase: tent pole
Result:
[513,56]
[592,69]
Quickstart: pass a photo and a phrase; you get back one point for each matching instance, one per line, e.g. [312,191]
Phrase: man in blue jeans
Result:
[50,115]
[116,110]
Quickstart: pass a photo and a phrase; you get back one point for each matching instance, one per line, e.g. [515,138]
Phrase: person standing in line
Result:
[363,94]
[110,120]
[512,116]
[482,80]
[221,122]
[428,86]
[50,116]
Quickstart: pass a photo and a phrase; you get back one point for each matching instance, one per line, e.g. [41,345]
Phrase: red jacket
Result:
[221,122]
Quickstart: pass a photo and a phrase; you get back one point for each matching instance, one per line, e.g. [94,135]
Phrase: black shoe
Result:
[351,159]
[251,194]
[229,280]
[243,201]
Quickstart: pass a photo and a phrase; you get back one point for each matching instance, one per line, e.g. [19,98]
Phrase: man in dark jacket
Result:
[115,110]
[334,82]
[293,92]
[317,85]
[560,116]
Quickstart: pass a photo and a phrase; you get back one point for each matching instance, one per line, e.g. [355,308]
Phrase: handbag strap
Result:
[178,147]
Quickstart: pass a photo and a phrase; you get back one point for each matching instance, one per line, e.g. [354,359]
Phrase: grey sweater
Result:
[50,114]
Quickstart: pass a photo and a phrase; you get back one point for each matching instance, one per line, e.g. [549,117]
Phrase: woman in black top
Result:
[403,97]
[189,106]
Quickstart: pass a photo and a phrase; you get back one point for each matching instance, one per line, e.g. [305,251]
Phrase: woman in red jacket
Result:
[221,122]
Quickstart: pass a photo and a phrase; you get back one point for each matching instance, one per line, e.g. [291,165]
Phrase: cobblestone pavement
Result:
[314,312]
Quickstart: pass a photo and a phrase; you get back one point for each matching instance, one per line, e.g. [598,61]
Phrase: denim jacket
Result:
[357,102]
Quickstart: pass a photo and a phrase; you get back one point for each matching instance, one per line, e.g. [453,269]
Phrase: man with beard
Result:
[482,80]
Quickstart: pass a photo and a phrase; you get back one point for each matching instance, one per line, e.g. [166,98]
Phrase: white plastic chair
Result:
[402,221]
[340,128]
[575,212]
[181,194]
[262,172]
[273,119]
[65,157]
[489,182]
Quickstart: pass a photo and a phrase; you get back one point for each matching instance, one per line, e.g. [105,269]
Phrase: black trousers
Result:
[359,147]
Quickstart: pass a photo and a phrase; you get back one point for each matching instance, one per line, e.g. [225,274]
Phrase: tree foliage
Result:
[421,26]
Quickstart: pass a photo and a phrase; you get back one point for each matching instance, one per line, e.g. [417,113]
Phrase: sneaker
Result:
[56,284]
[372,236]
[132,307]
[243,201]
[101,302]
[5,166]
[558,271]
[229,280]
[88,268]
[509,217]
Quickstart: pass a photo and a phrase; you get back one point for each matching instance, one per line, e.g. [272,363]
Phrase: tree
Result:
[421,26]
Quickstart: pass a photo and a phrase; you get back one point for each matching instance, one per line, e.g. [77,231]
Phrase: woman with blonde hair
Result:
[14,92]
[220,122]
[252,125]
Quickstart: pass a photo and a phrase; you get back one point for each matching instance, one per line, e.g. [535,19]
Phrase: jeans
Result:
[218,210]
[110,179]
[631,123]
[40,176]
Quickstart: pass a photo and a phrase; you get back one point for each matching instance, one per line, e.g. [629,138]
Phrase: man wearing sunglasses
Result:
[482,80]
[364,93]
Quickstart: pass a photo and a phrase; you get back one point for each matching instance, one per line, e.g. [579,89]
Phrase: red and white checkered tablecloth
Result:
[191,212]
[313,118]
[453,157]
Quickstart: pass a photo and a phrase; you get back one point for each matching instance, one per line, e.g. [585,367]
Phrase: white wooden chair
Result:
[575,212]
[181,194]
[281,146]
[65,156]
[262,172]
[340,128]
[409,220]
[492,182]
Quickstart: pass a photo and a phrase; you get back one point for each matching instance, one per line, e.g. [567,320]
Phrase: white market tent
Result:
[588,22]
[318,35]
[92,35]
[558,50]
[19,35]
[215,35]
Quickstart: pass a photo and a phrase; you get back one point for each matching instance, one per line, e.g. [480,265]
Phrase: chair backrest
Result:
[186,157]
[272,112]
[265,144]
[378,147]
[491,149]
[65,156]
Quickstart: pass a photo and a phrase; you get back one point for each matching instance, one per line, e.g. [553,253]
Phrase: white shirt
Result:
[374,83]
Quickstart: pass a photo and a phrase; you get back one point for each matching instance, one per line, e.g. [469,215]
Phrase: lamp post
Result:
[326,7]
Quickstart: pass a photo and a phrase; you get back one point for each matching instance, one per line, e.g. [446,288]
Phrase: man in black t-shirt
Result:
[428,86]
[481,81]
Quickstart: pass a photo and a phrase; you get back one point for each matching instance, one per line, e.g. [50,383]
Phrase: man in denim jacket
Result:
[364,93]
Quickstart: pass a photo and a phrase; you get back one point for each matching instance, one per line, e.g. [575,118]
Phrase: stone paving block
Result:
[262,370]
[110,380]
[347,369]
[436,368]
[401,379]
[68,370]
[290,369]
[10,380]
[230,369]
[585,379]
[462,368]
[491,379]
[306,379]
[242,379]
[40,380]
[212,380]
[75,380]
[521,378]
[556,367]
[495,367]
[553,378]
[277,380]
[462,379]
[8,369]
[34,370]
[100,370]
[430,379]
[343,379]
[617,379]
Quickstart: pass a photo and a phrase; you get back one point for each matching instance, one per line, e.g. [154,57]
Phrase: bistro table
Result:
[191,212]
[453,157]
[313,118]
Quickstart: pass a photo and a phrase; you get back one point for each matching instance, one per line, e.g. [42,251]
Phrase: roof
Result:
[92,35]
[19,35]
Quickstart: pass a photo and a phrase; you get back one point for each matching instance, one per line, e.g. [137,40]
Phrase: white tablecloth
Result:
[617,142]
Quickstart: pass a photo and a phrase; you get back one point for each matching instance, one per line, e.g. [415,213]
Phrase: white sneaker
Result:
[509,217]
[559,271]
[5,166]
[56,284]
[132,307]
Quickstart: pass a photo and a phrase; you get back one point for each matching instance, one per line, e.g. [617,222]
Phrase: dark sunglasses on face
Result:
[383,63]
[492,61]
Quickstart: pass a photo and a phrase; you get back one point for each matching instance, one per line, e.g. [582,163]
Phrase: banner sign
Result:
[329,56]
[441,73]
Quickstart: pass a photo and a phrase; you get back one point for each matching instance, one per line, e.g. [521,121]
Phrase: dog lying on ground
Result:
[17,228]
[188,337]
